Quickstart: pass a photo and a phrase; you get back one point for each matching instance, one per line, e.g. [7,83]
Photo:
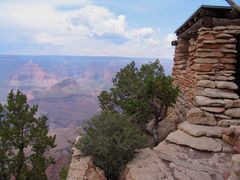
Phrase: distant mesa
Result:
[31,74]
[65,83]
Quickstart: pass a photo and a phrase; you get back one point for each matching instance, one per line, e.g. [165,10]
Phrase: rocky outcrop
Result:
[192,152]
[235,167]
[82,167]
[146,165]
[232,137]
[169,161]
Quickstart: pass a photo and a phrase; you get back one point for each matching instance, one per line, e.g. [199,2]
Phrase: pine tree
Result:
[24,139]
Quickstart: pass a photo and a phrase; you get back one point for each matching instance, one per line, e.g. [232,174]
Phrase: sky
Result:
[142,28]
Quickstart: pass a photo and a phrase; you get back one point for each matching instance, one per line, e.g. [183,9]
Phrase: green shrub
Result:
[111,139]
[64,172]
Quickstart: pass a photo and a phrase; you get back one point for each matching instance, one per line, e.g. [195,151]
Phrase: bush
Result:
[64,172]
[111,139]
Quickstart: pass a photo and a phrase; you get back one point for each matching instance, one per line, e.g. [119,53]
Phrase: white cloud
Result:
[145,32]
[80,31]
[98,20]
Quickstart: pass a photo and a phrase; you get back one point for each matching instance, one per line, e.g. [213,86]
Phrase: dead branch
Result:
[233,4]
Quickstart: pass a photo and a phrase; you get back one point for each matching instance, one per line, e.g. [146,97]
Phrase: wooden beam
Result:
[225,22]
[207,22]
[192,31]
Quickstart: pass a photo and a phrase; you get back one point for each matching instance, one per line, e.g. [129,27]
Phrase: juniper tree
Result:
[142,93]
[24,139]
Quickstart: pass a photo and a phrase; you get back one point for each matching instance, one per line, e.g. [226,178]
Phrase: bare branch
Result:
[233,4]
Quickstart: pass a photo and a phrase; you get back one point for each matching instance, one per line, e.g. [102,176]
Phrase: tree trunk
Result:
[155,133]
[160,114]
[20,162]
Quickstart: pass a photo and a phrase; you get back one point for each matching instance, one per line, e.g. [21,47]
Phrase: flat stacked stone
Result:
[201,130]
[204,69]
[214,68]
[201,143]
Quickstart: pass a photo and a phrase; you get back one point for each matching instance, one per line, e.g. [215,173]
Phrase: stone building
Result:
[207,70]
[207,64]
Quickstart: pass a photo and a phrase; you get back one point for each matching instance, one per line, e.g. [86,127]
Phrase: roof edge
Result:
[199,9]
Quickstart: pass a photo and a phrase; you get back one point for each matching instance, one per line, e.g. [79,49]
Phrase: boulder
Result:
[83,168]
[235,167]
[146,165]
[234,112]
[229,122]
[187,163]
[168,161]
[200,143]
[167,126]
[200,130]
[226,85]
[206,83]
[216,93]
[197,116]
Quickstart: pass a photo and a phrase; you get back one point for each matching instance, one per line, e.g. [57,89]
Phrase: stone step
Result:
[200,143]
[201,130]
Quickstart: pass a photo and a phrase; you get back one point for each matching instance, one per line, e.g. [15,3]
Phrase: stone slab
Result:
[198,116]
[206,101]
[213,109]
[217,93]
[201,130]
[200,143]
[233,112]
[229,122]
[226,85]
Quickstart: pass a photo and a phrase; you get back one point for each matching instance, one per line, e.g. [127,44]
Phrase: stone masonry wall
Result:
[204,68]
[182,73]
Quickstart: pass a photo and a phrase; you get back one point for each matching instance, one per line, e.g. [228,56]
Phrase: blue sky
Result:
[93,27]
